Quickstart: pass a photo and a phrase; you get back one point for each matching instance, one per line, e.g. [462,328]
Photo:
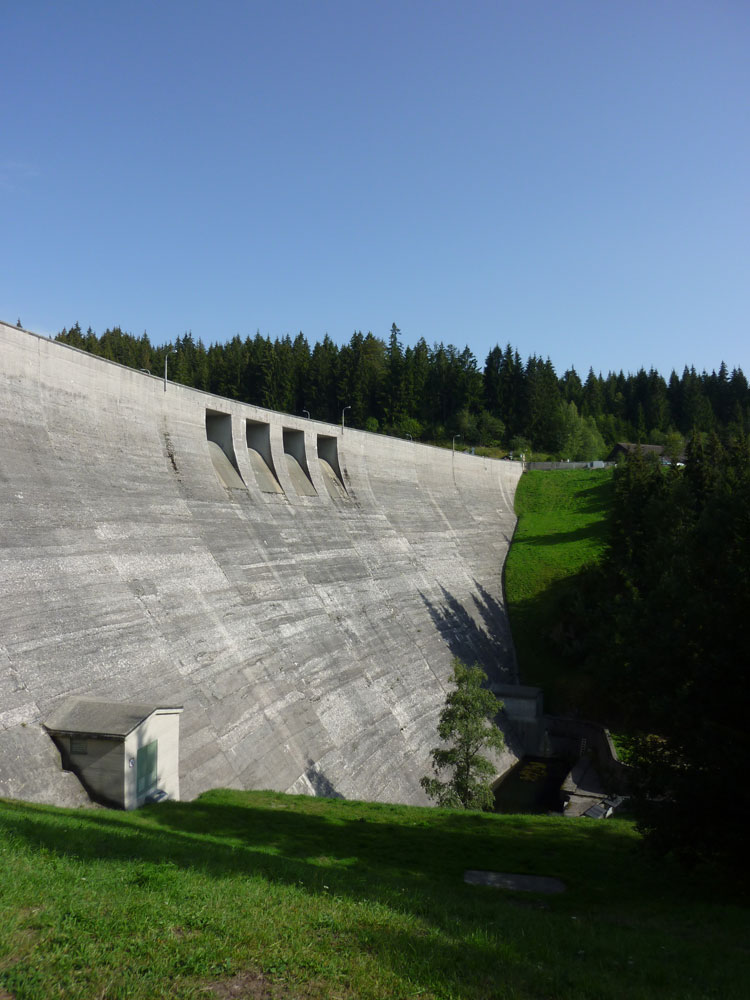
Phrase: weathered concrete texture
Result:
[309,637]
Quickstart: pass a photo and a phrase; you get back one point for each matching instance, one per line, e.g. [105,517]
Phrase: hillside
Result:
[562,528]
[263,895]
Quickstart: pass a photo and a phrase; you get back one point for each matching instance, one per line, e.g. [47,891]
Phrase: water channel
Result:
[533,785]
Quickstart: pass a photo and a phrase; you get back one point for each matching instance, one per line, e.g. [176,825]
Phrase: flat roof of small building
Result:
[101,718]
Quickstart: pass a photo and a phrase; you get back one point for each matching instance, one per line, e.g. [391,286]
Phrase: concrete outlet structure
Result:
[300,591]
[123,755]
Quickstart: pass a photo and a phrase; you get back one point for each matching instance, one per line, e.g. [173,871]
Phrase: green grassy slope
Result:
[562,527]
[264,895]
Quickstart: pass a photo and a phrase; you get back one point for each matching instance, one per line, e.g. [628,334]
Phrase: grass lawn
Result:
[562,528]
[256,894]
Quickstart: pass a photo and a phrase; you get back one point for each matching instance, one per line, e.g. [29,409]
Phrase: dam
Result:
[298,589]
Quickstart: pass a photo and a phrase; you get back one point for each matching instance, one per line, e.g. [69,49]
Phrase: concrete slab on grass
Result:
[518,883]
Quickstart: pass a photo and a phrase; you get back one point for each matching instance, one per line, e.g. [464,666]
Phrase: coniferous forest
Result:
[433,393]
[658,627]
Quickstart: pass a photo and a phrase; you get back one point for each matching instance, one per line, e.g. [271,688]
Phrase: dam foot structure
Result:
[299,590]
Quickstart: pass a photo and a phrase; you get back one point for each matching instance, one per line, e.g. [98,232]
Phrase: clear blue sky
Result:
[572,176]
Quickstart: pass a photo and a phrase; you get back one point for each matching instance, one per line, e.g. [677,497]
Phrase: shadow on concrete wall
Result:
[488,644]
[322,786]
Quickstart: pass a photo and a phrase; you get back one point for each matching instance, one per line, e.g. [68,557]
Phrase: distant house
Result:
[123,754]
[624,448]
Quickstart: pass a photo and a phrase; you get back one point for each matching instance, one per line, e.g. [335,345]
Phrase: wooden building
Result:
[624,448]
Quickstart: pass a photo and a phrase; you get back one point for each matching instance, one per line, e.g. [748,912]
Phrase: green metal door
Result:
[147,771]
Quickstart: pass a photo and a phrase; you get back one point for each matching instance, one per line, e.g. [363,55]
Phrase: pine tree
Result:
[393,403]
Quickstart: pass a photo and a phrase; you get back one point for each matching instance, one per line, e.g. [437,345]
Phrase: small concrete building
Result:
[123,754]
[523,707]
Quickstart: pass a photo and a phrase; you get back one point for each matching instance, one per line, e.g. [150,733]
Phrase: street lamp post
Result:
[342,417]
[166,359]
[454,441]
[306,413]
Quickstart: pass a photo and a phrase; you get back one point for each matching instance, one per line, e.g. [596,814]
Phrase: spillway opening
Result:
[258,437]
[296,460]
[221,449]
[328,456]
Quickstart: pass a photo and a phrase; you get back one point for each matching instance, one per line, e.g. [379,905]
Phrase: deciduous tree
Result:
[467,726]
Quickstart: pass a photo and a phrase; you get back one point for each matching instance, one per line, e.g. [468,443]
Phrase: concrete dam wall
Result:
[299,590]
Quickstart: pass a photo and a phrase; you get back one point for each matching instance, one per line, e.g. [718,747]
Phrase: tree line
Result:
[433,393]
[659,629]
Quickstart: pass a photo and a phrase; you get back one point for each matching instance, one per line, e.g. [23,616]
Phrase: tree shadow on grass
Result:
[597,497]
[558,641]
[363,853]
[591,500]
[286,837]
[592,532]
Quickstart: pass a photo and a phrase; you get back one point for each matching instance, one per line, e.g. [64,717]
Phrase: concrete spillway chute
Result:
[258,437]
[328,456]
[228,475]
[296,460]
[221,449]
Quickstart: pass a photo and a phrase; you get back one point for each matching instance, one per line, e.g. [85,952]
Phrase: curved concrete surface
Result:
[334,486]
[309,638]
[223,468]
[298,476]
[264,477]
